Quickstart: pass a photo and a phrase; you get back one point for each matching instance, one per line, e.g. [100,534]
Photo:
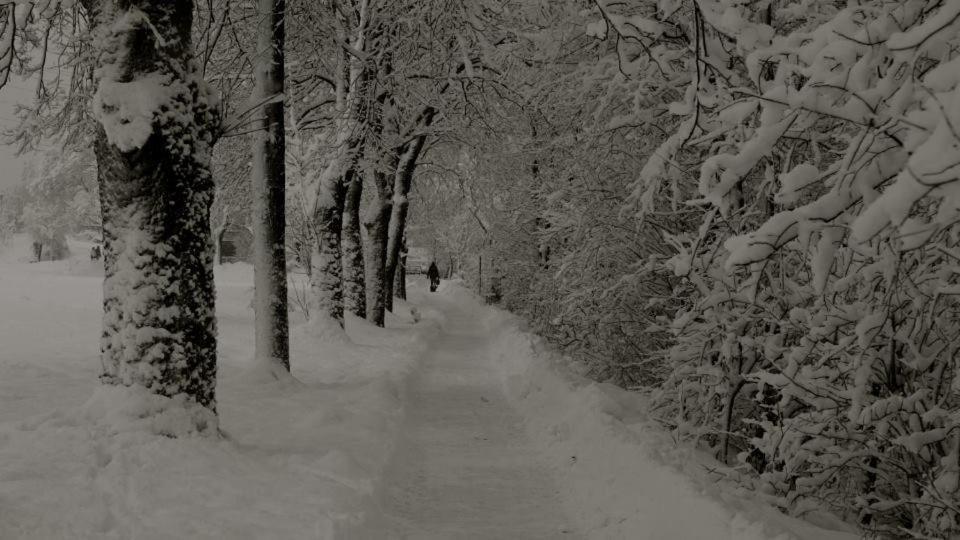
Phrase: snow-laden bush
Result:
[818,336]
[749,210]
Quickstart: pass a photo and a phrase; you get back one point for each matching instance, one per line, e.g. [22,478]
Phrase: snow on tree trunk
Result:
[269,219]
[377,224]
[395,230]
[156,121]
[326,279]
[354,281]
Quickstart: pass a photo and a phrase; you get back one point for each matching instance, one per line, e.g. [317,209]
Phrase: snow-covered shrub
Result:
[817,336]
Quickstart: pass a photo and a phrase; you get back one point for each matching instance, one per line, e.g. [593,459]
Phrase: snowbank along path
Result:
[464,468]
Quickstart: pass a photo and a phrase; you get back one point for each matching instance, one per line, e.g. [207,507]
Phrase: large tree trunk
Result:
[327,283]
[156,190]
[397,227]
[354,282]
[360,77]
[377,224]
[326,280]
[269,182]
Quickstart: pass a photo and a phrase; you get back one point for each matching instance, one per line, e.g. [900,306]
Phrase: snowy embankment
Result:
[621,476]
[301,458]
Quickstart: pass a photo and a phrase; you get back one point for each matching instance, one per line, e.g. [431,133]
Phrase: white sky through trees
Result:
[16,92]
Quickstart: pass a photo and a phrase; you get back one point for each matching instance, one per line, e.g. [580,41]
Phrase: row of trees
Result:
[311,118]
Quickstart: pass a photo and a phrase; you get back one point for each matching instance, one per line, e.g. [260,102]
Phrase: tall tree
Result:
[269,213]
[327,282]
[376,221]
[156,128]
[361,76]
[379,162]
[403,180]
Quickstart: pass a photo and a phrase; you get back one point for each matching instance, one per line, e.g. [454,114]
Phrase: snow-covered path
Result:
[465,468]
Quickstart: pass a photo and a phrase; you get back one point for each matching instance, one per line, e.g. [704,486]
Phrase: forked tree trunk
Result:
[327,281]
[395,229]
[156,190]
[354,281]
[269,182]
[403,180]
[360,79]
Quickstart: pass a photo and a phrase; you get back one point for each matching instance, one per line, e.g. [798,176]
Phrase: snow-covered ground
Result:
[620,476]
[298,459]
[464,468]
[451,423]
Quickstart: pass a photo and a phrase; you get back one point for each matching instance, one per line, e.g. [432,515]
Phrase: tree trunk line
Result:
[328,283]
[269,193]
[159,330]
[403,180]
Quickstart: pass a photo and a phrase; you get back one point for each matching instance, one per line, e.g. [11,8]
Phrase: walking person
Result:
[433,273]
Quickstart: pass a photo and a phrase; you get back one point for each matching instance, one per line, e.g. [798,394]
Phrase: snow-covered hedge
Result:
[620,473]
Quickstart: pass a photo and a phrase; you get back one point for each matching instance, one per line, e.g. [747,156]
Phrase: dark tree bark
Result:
[156,190]
[354,280]
[269,182]
[365,110]
[377,224]
[403,180]
[381,162]
[218,243]
[326,281]
[400,279]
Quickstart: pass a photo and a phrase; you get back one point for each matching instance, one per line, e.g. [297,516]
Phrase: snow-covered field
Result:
[298,459]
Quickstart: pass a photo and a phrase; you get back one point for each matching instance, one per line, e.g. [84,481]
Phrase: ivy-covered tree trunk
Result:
[268,186]
[354,281]
[326,280]
[156,128]
[327,283]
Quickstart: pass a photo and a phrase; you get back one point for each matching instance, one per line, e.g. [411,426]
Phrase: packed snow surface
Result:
[464,468]
[452,423]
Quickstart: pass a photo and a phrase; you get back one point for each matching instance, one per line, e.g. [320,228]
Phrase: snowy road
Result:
[465,469]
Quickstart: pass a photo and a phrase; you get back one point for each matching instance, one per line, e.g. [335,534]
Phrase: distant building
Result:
[236,244]
[90,233]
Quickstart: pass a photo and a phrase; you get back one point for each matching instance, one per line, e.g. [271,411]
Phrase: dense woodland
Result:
[745,209]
